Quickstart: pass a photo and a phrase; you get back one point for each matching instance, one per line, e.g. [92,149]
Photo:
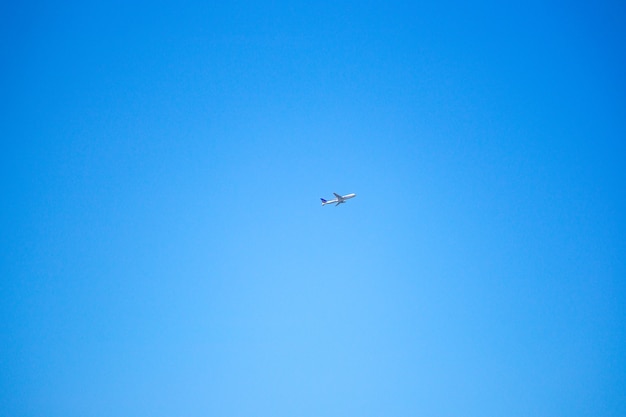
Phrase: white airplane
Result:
[339,199]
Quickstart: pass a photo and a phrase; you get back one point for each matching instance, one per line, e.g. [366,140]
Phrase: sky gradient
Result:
[163,247]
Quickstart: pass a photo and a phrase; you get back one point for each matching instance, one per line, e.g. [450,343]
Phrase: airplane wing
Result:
[338,196]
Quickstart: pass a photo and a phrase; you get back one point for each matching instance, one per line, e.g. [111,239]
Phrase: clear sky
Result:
[163,247]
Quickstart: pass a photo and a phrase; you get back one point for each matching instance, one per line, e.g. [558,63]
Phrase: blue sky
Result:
[164,251]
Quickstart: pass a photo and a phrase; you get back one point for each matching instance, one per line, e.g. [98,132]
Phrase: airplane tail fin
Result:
[323,201]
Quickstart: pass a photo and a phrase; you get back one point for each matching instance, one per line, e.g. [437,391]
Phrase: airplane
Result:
[339,199]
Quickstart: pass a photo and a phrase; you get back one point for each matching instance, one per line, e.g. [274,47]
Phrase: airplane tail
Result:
[323,201]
